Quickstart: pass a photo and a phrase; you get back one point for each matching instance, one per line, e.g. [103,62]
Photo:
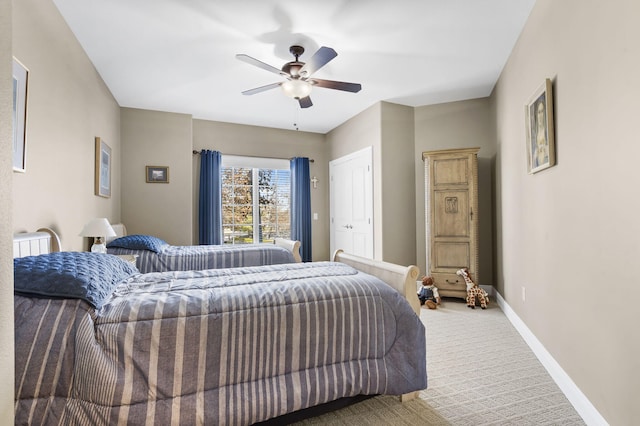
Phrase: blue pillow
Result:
[139,242]
[71,275]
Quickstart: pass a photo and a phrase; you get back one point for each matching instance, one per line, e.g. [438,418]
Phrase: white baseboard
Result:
[583,406]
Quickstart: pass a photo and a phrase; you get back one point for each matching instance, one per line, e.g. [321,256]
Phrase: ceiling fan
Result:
[298,75]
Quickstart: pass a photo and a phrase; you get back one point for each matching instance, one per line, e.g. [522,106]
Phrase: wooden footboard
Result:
[401,278]
[291,245]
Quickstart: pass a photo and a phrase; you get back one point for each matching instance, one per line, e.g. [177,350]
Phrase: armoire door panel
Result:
[450,256]
[451,171]
[451,214]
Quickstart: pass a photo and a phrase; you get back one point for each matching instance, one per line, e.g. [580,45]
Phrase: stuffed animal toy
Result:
[428,294]
[473,290]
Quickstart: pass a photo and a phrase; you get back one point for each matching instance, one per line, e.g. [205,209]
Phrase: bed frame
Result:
[43,241]
[401,278]
[291,245]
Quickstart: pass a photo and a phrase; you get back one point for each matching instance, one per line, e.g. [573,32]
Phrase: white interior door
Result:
[351,203]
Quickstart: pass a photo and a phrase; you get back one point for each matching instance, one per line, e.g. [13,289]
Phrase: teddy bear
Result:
[428,294]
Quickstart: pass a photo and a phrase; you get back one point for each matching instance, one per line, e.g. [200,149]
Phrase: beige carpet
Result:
[481,372]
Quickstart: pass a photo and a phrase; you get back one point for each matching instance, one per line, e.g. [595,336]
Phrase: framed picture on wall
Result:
[103,169]
[541,152]
[20,80]
[157,174]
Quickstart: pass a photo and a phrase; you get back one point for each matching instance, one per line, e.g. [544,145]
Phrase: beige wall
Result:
[398,176]
[463,124]
[235,139]
[6,248]
[569,234]
[360,131]
[151,138]
[389,130]
[68,106]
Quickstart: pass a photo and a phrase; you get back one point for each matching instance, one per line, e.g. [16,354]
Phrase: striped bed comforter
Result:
[226,346]
[185,258]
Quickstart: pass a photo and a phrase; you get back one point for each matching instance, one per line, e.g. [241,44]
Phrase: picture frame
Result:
[157,174]
[20,90]
[541,149]
[103,169]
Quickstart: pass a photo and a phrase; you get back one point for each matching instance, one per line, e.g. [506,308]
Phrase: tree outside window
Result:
[255,204]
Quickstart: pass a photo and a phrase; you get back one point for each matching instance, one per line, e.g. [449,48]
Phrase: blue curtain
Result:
[301,206]
[210,207]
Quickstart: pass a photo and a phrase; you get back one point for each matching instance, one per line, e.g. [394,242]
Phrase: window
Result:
[255,199]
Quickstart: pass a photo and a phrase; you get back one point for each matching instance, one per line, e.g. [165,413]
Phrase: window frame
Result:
[255,164]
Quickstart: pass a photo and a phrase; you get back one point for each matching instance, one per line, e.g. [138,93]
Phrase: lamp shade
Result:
[99,227]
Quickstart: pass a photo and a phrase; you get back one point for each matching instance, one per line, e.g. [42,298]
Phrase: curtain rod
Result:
[257,156]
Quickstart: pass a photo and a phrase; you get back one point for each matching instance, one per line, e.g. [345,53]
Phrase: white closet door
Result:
[351,203]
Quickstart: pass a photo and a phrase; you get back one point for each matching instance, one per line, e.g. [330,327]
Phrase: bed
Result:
[97,342]
[155,255]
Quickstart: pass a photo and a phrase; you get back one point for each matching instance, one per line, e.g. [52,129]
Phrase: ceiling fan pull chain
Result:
[296,116]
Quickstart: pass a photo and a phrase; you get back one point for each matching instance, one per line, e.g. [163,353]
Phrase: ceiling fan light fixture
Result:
[296,89]
[298,74]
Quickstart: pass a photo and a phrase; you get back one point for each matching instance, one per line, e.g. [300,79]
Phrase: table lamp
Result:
[99,229]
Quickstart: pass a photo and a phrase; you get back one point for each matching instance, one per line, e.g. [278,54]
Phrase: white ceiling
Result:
[179,55]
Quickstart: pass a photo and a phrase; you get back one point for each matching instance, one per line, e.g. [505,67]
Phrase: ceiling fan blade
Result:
[337,85]
[261,89]
[253,61]
[305,102]
[317,61]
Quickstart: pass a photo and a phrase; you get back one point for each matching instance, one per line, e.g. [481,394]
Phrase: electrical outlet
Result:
[524,294]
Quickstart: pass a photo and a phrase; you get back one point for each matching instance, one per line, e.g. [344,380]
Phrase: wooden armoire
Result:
[451,212]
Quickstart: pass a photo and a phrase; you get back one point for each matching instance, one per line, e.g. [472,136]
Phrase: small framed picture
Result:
[541,150]
[20,78]
[103,169]
[157,174]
